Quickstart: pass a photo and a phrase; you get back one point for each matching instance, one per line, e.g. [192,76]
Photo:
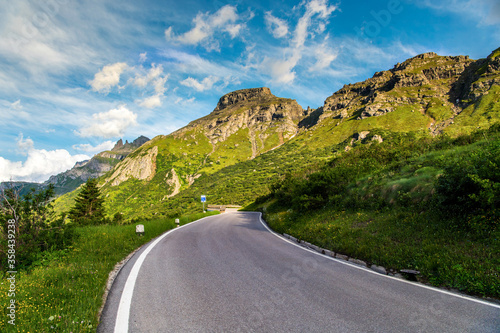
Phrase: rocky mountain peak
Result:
[243,95]
[129,146]
[140,141]
[118,145]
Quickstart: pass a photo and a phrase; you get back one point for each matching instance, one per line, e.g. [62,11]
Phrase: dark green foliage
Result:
[88,208]
[357,179]
[118,218]
[470,188]
[36,228]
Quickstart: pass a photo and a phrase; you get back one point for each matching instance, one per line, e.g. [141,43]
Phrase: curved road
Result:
[228,273]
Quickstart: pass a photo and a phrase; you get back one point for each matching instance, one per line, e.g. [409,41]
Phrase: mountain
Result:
[252,137]
[98,165]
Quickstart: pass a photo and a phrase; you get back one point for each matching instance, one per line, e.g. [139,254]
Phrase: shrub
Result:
[36,228]
[470,188]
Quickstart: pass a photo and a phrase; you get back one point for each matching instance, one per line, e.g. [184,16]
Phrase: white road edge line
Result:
[373,272]
[123,313]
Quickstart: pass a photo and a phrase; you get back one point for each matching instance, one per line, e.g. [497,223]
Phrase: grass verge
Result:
[63,291]
[398,238]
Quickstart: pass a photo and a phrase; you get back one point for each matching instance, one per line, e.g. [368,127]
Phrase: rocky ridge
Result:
[425,82]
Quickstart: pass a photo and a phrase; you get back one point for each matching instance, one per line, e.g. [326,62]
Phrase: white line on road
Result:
[373,272]
[122,316]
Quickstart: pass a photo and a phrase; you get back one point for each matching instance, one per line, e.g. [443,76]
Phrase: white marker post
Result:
[203,200]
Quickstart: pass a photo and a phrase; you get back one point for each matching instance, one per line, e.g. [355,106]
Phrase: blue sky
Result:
[76,77]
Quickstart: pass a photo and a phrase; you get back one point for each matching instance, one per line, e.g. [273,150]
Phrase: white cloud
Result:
[108,77]
[24,145]
[16,105]
[276,26]
[143,57]
[159,85]
[88,148]
[314,7]
[153,73]
[206,25]
[324,57]
[234,29]
[312,23]
[40,164]
[282,71]
[206,84]
[150,102]
[155,79]
[110,124]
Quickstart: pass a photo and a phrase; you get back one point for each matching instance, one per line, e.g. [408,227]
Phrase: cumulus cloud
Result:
[40,164]
[276,26]
[153,73]
[88,148]
[206,84]
[108,77]
[282,70]
[150,102]
[110,124]
[155,79]
[206,25]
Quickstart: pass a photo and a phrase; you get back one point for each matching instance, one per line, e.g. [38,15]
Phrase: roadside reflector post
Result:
[139,229]
[177,223]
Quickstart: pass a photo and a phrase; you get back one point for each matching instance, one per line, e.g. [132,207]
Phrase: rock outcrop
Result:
[142,167]
[257,110]
[418,81]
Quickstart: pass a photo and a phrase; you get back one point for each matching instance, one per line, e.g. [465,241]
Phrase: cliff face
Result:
[256,109]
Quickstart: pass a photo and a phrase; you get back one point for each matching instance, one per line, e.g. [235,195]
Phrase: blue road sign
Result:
[203,198]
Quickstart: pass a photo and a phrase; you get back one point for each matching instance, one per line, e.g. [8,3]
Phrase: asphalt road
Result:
[228,273]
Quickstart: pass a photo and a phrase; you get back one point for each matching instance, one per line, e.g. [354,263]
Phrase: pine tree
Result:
[88,208]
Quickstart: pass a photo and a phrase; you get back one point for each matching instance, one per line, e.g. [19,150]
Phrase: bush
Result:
[36,228]
[470,188]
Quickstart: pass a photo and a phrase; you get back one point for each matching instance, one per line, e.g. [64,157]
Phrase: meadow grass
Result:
[63,291]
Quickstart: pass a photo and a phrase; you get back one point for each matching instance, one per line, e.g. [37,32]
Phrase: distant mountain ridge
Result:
[97,166]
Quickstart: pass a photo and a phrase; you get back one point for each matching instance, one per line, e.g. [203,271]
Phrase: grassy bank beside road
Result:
[63,291]
[399,239]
